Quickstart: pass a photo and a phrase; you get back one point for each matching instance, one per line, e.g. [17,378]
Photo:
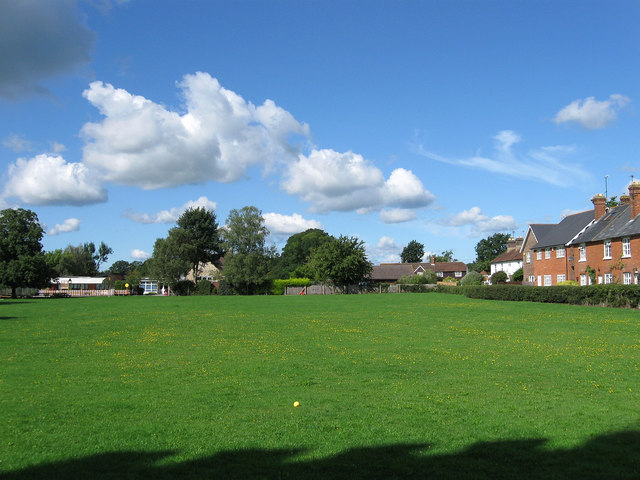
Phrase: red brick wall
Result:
[616,265]
[552,266]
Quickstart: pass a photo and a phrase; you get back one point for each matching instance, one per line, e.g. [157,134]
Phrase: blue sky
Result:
[442,122]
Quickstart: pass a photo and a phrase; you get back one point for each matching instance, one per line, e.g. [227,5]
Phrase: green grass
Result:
[390,386]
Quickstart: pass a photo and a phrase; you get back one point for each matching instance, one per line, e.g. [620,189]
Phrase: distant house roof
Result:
[391,271]
[442,266]
[563,232]
[617,222]
[508,256]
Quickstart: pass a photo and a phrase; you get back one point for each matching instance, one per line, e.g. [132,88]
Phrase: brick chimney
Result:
[433,259]
[600,205]
[625,199]
[511,244]
[634,193]
[519,242]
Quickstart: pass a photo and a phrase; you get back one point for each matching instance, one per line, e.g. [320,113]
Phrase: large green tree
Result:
[487,249]
[340,261]
[248,260]
[297,251]
[169,262]
[202,236]
[412,253]
[22,261]
[78,259]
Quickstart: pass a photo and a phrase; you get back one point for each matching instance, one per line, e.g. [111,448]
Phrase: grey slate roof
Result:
[563,232]
[615,223]
[541,229]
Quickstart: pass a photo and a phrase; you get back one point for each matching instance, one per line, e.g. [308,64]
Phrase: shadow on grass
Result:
[612,456]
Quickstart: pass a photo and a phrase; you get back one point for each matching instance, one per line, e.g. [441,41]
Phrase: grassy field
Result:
[390,386]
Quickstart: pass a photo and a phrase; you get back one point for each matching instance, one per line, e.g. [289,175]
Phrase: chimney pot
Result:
[600,205]
[634,193]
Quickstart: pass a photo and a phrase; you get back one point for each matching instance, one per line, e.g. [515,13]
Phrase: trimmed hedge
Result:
[613,295]
[279,286]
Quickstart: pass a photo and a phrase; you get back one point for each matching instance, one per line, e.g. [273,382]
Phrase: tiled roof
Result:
[563,232]
[391,271]
[445,266]
[508,256]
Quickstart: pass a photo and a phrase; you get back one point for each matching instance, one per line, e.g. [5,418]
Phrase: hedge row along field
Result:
[389,386]
[611,295]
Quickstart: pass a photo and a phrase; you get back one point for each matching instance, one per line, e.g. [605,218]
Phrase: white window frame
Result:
[440,274]
[607,249]
[583,252]
[627,278]
[547,253]
[532,279]
[548,280]
[626,247]
[528,255]
[561,278]
[560,252]
[458,274]
[538,254]
[608,278]
[583,279]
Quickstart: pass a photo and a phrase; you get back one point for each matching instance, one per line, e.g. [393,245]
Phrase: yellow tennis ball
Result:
[296,404]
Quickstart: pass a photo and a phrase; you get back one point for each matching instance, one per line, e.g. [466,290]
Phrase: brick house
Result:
[609,250]
[600,245]
[550,257]
[535,233]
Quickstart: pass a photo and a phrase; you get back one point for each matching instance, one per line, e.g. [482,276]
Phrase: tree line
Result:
[249,263]
[239,247]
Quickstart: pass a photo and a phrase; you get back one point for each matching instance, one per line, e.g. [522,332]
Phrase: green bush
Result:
[518,275]
[203,287]
[425,278]
[472,278]
[119,285]
[184,287]
[499,277]
[613,295]
[278,286]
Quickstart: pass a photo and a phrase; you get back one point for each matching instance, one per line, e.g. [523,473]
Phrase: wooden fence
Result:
[357,289]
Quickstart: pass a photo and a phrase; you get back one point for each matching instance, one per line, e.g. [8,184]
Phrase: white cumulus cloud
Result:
[592,114]
[171,215]
[50,180]
[218,137]
[334,181]
[397,215]
[281,225]
[69,225]
[138,254]
[479,222]
[385,251]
